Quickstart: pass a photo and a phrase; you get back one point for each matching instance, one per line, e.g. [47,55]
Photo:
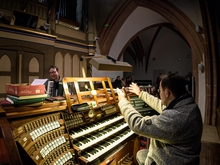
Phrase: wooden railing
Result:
[8,149]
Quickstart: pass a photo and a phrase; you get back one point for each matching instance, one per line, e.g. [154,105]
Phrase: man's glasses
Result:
[52,72]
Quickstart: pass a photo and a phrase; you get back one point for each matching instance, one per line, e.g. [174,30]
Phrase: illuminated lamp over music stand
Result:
[107,63]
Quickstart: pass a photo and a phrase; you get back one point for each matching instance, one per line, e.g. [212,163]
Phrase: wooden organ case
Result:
[86,129]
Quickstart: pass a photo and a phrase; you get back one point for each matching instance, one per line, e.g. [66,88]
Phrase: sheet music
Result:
[38,81]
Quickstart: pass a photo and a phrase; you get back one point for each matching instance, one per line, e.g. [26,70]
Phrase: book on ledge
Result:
[24,101]
[56,99]
[28,96]
[33,104]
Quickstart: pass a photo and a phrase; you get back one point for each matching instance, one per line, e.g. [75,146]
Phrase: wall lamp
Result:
[107,63]
[201,67]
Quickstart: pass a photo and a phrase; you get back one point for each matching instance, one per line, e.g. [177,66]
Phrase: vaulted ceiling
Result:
[135,46]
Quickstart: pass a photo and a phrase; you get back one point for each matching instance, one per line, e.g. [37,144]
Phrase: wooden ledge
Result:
[210,134]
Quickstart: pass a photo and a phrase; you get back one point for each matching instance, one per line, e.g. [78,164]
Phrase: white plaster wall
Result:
[132,25]
[202,94]
[170,52]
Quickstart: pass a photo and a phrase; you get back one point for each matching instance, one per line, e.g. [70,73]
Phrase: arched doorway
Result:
[172,14]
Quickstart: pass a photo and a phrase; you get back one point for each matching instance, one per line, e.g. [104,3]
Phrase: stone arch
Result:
[167,10]
[176,17]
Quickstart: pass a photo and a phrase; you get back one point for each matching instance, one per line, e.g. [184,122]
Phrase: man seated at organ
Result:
[54,85]
[175,133]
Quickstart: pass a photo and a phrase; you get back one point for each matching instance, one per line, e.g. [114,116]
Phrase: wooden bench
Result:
[210,151]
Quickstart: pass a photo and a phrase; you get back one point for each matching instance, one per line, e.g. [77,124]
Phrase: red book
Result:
[4,102]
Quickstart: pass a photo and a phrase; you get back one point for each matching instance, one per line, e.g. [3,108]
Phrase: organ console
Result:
[86,129]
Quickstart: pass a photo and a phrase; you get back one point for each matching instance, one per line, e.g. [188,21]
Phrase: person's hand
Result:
[134,88]
[121,93]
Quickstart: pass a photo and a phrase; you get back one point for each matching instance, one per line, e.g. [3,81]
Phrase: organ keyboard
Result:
[93,127]
[95,152]
[55,133]
[141,106]
[91,139]
[100,129]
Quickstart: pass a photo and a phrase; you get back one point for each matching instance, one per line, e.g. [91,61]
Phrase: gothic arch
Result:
[67,65]
[59,62]
[34,65]
[5,63]
[176,17]
[76,66]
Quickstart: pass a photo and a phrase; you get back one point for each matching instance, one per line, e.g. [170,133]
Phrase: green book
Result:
[24,101]
[28,96]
